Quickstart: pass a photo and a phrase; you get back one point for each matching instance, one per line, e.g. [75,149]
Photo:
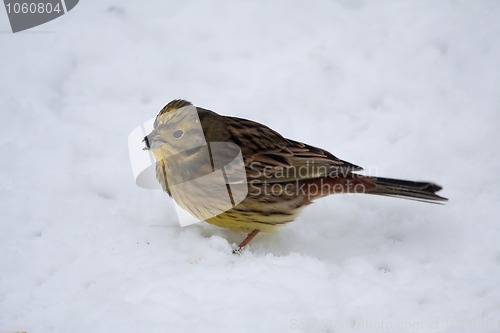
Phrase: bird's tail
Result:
[421,191]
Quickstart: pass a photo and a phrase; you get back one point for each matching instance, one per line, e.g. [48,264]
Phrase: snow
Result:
[405,89]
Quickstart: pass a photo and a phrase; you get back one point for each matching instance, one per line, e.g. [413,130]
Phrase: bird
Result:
[276,177]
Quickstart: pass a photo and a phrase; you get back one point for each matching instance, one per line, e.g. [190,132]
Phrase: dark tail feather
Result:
[420,191]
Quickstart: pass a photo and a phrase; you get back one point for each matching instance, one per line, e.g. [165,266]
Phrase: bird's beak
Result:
[153,141]
[146,143]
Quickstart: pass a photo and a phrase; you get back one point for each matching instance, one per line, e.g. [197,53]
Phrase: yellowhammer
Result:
[278,178]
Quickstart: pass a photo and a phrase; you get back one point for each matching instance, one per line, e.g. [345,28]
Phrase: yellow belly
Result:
[244,218]
[263,208]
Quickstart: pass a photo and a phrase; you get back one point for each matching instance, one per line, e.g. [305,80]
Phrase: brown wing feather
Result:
[271,157]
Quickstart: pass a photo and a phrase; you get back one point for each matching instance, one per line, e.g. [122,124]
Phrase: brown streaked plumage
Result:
[283,175]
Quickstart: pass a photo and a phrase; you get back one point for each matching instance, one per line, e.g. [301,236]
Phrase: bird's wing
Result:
[270,157]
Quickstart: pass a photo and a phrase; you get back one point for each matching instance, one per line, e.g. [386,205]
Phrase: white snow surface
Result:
[407,89]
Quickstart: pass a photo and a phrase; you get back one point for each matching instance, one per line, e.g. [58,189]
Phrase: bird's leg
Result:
[247,240]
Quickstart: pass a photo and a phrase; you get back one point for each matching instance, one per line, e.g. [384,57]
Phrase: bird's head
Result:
[177,130]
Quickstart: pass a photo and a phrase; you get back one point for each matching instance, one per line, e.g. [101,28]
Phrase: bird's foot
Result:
[245,242]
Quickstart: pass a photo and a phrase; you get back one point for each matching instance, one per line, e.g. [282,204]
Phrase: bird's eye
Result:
[178,134]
